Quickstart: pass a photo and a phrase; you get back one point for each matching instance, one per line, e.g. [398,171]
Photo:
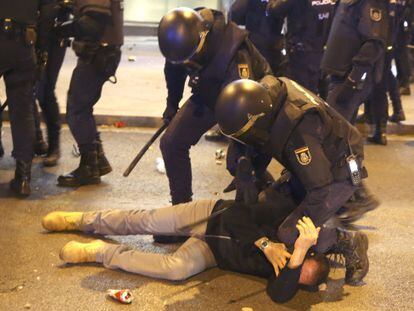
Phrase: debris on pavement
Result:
[132,58]
[27,306]
[119,124]
[121,295]
[220,154]
[159,162]
[218,162]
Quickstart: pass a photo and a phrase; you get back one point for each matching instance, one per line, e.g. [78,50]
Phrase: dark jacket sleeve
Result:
[238,12]
[280,8]
[367,57]
[284,287]
[175,76]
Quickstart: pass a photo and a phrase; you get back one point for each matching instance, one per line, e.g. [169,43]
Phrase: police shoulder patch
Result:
[244,71]
[375,14]
[303,155]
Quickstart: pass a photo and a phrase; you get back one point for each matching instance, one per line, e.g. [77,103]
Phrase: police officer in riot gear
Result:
[18,34]
[98,36]
[308,24]
[355,51]
[201,45]
[321,150]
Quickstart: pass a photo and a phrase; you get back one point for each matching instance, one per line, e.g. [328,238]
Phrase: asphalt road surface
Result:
[32,277]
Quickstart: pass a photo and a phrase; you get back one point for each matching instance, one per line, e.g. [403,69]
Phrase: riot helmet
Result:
[245,112]
[182,33]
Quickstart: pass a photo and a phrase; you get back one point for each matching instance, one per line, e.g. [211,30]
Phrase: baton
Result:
[3,107]
[144,150]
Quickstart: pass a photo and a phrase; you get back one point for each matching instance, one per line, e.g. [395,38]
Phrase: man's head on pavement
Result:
[315,271]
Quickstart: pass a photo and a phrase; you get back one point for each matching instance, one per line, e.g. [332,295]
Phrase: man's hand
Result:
[277,255]
[169,114]
[308,234]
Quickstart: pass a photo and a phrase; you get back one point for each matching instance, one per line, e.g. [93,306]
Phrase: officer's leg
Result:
[184,131]
[84,91]
[40,145]
[395,96]
[48,102]
[193,257]
[19,89]
[334,197]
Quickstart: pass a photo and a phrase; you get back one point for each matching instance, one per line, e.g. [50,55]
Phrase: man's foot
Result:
[52,157]
[86,174]
[405,90]
[215,135]
[103,163]
[1,148]
[354,247]
[379,137]
[169,239]
[76,252]
[397,117]
[20,184]
[62,221]
[41,147]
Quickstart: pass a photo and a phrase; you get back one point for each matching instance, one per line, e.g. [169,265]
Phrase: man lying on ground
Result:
[226,234]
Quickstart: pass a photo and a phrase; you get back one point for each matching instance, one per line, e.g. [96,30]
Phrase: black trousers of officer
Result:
[84,92]
[184,131]
[45,90]
[378,103]
[17,67]
[402,59]
[348,109]
[304,68]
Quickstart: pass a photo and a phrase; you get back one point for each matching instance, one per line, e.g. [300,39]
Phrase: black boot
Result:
[379,137]
[41,147]
[86,174]
[354,247]
[20,185]
[397,117]
[215,135]
[53,154]
[103,163]
[405,90]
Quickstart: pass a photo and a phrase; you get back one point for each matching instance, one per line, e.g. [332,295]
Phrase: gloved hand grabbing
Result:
[245,182]
[169,113]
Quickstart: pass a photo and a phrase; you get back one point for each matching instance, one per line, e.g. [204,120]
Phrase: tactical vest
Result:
[225,43]
[355,22]
[114,33]
[20,11]
[309,23]
[341,140]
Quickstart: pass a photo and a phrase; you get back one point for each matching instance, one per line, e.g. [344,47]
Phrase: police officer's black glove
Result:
[247,191]
[65,30]
[169,113]
[346,91]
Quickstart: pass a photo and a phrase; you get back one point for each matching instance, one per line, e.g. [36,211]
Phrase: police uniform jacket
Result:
[230,56]
[357,41]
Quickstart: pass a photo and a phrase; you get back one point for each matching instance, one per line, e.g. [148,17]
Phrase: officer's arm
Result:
[175,76]
[368,55]
[280,8]
[374,29]
[48,11]
[238,12]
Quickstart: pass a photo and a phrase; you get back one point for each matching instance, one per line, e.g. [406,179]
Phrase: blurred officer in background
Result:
[18,35]
[308,24]
[355,51]
[98,36]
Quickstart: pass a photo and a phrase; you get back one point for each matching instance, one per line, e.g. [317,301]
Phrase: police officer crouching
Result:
[18,33]
[320,149]
[98,36]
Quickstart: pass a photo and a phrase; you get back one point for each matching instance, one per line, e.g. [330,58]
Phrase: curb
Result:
[405,128]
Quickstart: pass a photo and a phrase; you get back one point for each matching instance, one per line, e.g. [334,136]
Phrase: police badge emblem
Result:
[244,71]
[376,14]
[303,155]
